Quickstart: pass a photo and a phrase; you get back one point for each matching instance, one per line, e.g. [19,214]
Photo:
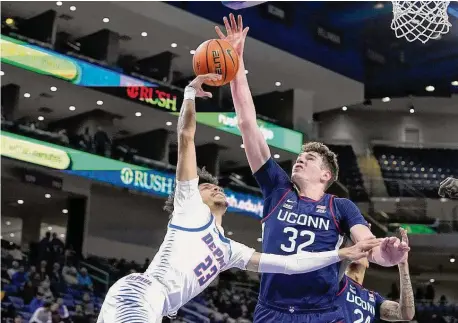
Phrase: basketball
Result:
[216,56]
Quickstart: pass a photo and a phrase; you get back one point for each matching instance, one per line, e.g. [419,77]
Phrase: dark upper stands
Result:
[414,171]
[350,175]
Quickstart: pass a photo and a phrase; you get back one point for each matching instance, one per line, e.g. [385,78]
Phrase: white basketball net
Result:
[422,20]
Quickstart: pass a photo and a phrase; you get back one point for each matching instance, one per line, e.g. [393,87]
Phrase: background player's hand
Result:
[235,34]
[449,187]
[394,251]
[359,250]
[199,80]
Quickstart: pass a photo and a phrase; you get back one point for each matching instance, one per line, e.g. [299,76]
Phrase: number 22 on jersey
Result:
[205,271]
[293,235]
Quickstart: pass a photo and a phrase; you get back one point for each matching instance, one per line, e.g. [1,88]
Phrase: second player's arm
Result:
[405,309]
[307,261]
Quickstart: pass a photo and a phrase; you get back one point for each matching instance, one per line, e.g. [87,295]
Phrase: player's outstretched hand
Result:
[394,251]
[449,188]
[235,34]
[199,80]
[359,250]
[405,241]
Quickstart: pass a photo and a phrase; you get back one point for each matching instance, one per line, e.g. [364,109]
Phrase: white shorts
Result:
[136,298]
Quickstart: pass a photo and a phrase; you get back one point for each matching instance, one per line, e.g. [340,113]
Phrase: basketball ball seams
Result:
[225,63]
[206,58]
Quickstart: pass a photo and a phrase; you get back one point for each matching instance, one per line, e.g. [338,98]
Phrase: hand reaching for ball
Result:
[199,80]
[235,34]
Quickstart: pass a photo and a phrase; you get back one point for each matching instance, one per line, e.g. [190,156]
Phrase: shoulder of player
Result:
[340,203]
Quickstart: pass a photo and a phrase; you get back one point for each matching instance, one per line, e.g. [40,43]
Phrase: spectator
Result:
[70,275]
[443,301]
[42,314]
[19,278]
[145,264]
[101,142]
[62,309]
[85,140]
[16,253]
[32,271]
[63,136]
[45,289]
[430,293]
[79,317]
[14,268]
[44,246]
[57,246]
[27,292]
[84,279]
[36,280]
[18,318]
[56,275]
[88,306]
[43,271]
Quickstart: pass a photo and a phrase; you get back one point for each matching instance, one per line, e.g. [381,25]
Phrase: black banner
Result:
[40,179]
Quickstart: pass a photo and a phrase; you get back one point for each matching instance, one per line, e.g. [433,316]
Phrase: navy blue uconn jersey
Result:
[358,304]
[292,224]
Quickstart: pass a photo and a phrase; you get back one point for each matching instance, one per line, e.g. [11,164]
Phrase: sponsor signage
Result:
[110,171]
[78,72]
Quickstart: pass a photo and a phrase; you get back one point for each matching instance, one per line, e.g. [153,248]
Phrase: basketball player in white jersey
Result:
[195,249]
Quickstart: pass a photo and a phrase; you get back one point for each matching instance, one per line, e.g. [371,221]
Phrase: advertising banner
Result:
[110,171]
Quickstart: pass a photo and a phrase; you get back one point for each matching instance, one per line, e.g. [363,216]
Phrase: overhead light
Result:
[138,114]
[62,235]
[99,102]
[246,71]
[412,110]
[379,5]
[47,195]
[59,3]
[455,83]
[217,138]
[277,83]
[242,146]
[9,21]
[106,19]
[72,108]
[168,123]
[12,235]
[2,73]
[229,233]
[72,8]
[8,222]
[344,108]
[429,88]
[259,239]
[41,118]
[53,88]
[276,156]
[20,201]
[64,211]
[386,99]
[452,259]
[173,45]
[26,95]
[432,280]
[144,34]
[192,52]
[49,228]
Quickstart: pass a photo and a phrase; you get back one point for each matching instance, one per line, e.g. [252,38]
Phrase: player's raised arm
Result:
[256,147]
[186,129]
[247,259]
[405,309]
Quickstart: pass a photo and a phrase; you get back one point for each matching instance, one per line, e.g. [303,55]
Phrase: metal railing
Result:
[97,274]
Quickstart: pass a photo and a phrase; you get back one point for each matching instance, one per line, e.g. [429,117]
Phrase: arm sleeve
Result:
[271,177]
[303,262]
[189,211]
[240,256]
[348,214]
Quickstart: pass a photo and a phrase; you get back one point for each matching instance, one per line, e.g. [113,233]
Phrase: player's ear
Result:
[326,175]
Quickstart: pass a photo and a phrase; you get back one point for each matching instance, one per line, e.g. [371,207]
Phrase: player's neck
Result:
[218,219]
[357,275]
[314,192]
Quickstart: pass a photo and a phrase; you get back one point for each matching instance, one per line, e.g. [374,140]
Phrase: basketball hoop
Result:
[422,20]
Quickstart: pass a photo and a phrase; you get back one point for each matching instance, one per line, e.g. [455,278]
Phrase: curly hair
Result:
[204,177]
[329,158]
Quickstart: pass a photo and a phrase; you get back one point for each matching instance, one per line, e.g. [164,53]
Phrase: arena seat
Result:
[415,172]
[350,174]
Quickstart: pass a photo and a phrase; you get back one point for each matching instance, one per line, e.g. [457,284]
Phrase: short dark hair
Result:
[329,158]
[204,177]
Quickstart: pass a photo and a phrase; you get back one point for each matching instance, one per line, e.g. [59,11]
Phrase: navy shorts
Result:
[269,314]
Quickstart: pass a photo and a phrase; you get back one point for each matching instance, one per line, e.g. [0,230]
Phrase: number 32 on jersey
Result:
[293,235]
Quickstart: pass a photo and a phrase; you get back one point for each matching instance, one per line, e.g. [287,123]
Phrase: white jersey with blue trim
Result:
[194,250]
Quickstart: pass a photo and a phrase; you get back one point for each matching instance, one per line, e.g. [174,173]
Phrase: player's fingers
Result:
[227,26]
[240,24]
[405,237]
[233,23]
[207,95]
[245,31]
[384,244]
[219,32]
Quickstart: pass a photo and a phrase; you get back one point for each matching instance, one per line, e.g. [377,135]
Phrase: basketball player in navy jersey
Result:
[298,216]
[365,306]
